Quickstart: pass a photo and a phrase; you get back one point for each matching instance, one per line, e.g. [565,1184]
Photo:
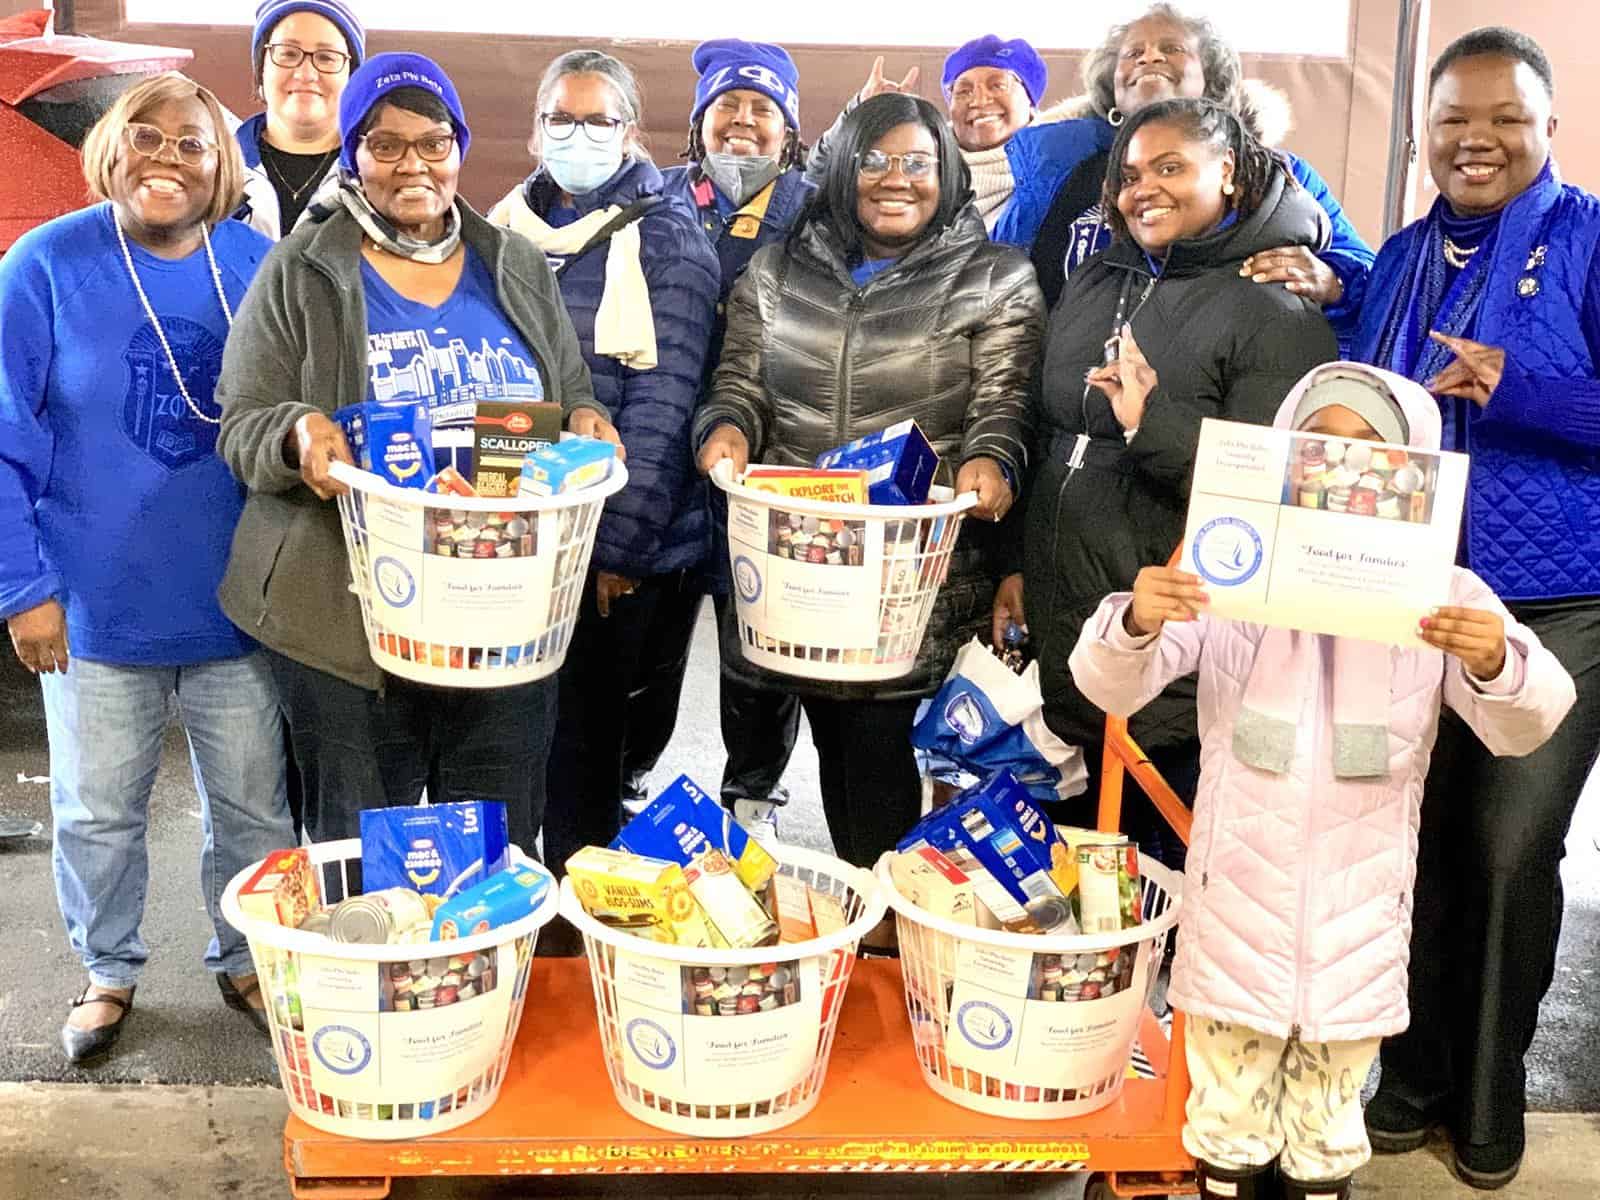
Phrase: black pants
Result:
[1489,900]
[356,749]
[758,729]
[871,791]
[653,706]
[608,658]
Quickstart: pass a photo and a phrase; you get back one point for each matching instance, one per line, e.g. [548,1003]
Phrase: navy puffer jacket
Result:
[658,522]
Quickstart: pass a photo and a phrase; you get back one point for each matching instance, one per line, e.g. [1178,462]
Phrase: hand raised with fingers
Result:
[877,85]
[1475,372]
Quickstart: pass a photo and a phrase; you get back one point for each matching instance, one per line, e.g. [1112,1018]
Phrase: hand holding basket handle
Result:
[725,442]
[984,476]
[314,442]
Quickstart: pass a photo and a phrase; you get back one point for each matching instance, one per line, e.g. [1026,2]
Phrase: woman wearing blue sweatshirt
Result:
[115,520]
[640,284]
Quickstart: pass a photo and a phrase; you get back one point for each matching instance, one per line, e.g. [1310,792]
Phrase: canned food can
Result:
[319,922]
[363,920]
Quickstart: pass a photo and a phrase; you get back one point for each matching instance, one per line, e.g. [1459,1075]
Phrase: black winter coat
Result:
[1221,346]
[949,335]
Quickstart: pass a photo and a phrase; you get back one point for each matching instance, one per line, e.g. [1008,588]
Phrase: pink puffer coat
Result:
[1297,898]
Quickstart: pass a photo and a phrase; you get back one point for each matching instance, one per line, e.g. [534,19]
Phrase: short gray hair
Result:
[1219,63]
[624,87]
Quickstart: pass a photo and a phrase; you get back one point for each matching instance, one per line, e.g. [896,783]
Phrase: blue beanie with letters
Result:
[728,63]
[1016,56]
[385,73]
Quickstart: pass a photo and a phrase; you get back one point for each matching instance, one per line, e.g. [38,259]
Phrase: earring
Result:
[1227,188]
[1114,117]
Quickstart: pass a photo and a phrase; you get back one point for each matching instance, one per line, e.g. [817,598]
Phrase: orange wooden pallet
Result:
[556,1114]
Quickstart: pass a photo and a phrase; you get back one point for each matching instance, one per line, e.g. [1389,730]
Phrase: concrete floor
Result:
[191,1075]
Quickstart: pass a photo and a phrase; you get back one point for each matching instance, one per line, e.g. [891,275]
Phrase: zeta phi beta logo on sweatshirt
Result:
[154,414]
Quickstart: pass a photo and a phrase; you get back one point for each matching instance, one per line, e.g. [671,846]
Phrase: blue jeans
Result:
[105,725]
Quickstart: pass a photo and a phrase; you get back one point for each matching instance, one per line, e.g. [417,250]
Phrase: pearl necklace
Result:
[161,334]
[1458,256]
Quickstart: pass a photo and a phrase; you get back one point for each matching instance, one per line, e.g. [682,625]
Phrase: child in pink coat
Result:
[1297,897]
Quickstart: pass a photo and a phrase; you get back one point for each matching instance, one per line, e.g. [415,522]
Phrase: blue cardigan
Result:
[1532,526]
[1043,156]
[658,522]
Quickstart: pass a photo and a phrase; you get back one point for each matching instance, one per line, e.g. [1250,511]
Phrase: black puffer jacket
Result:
[949,335]
[1221,346]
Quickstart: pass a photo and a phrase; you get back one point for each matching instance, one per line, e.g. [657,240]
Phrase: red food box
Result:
[283,889]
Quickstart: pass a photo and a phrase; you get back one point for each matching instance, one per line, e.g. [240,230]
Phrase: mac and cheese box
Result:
[393,441]
[435,849]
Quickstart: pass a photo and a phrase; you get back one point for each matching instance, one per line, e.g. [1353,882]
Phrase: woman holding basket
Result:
[395,253]
[890,266]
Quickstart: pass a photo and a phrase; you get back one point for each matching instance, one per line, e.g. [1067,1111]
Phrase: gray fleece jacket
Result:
[298,345]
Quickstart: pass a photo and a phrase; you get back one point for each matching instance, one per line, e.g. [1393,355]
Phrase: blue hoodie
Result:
[112,498]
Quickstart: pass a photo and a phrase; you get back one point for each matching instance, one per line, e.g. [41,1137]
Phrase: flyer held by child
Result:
[1322,534]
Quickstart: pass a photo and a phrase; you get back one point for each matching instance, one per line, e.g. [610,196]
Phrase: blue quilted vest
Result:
[1532,529]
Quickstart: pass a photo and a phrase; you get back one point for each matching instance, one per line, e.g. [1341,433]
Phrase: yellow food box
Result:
[648,895]
[839,487]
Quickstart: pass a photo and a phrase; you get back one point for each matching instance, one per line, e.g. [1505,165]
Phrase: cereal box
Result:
[283,889]
[503,434]
[646,895]
[841,487]
[899,462]
[393,441]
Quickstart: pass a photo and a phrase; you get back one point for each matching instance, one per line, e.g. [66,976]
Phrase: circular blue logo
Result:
[1227,551]
[394,581]
[984,1025]
[747,579]
[651,1044]
[341,1049]
[964,715]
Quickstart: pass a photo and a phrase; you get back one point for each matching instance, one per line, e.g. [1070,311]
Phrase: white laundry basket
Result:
[499,614]
[836,591]
[391,1041]
[1031,1026]
[737,1074]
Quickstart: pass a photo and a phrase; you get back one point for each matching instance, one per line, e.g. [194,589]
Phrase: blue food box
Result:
[437,849]
[567,466]
[899,462]
[496,901]
[683,822]
[393,441]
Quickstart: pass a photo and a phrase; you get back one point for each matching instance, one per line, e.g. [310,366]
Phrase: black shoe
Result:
[1236,1183]
[238,999]
[1490,1165]
[1333,1189]
[1395,1125]
[85,1045]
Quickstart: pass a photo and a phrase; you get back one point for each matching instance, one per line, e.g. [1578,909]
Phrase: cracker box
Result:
[932,882]
[393,441]
[789,900]
[684,821]
[498,900]
[503,434]
[567,466]
[435,849]
[648,896]
[899,462]
[840,487]
[283,889]
[727,904]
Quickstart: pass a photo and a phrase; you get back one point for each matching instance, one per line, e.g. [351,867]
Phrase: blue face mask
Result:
[579,165]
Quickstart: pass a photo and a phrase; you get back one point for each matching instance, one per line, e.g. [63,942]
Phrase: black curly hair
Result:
[1203,121]
[793,153]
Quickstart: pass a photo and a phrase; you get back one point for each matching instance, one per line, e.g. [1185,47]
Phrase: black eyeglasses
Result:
[598,128]
[388,148]
[289,56]
[149,141]
[875,164]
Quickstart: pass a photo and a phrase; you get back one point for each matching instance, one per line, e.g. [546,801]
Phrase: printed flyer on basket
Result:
[1316,533]
[1059,1021]
[393,1033]
[723,1035]
[459,577]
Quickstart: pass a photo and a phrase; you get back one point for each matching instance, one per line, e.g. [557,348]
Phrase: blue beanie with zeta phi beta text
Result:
[728,63]
[385,73]
[343,16]
[1016,56]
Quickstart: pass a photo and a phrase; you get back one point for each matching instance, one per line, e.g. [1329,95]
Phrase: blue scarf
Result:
[1439,296]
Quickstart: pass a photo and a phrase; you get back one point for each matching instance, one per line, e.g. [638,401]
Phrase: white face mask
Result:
[740,176]
[579,165]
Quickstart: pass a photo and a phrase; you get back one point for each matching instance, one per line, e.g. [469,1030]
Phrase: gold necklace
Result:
[320,170]
[1458,256]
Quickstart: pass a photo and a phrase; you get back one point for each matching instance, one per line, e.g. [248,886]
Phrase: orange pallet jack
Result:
[556,1115]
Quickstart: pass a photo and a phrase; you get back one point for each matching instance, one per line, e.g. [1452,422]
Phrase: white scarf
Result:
[624,325]
[991,181]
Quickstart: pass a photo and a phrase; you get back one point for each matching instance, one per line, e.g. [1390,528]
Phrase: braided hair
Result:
[1203,121]
[793,153]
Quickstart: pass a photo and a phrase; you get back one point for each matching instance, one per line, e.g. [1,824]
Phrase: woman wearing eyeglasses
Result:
[888,301]
[115,517]
[370,292]
[640,284]
[302,53]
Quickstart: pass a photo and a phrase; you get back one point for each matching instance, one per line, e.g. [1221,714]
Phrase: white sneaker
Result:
[758,818]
